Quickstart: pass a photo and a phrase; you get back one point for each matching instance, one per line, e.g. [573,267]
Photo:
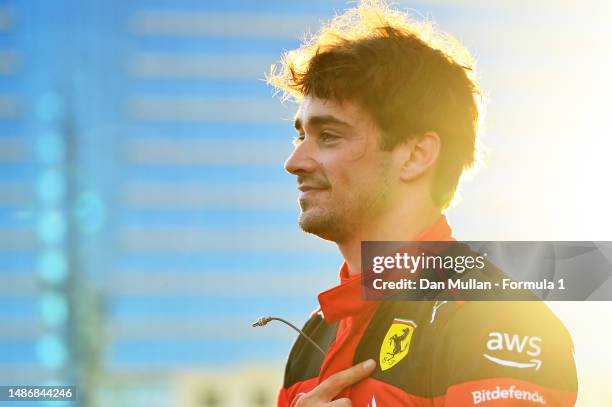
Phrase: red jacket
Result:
[432,353]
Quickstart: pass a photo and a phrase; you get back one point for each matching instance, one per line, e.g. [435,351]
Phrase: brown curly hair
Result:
[410,76]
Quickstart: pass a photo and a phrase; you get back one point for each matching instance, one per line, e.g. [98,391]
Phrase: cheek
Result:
[346,182]
[353,156]
[357,150]
[350,168]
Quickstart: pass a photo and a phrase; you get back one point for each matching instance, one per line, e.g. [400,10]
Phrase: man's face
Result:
[343,175]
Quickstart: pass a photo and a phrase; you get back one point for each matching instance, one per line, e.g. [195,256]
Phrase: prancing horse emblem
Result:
[396,343]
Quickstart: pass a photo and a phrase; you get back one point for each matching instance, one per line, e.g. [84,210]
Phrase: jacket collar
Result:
[344,300]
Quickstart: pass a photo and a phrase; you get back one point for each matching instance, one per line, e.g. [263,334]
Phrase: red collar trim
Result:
[345,300]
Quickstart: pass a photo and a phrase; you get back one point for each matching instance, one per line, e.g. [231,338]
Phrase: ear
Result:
[418,155]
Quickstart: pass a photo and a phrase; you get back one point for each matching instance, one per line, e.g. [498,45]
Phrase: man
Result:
[387,122]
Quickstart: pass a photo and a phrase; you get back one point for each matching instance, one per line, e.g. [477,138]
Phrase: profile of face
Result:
[344,177]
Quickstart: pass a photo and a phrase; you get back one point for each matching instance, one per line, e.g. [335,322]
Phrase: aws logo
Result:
[524,345]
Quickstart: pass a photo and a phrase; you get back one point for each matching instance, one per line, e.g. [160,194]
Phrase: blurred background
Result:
[146,220]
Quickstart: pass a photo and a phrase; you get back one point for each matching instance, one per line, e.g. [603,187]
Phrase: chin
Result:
[319,224]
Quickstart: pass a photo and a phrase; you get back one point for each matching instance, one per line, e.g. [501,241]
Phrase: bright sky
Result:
[546,68]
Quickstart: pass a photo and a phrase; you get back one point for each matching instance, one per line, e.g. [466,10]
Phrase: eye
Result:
[327,137]
[297,139]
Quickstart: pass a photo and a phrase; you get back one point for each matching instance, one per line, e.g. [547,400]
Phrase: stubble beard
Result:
[324,222]
[337,219]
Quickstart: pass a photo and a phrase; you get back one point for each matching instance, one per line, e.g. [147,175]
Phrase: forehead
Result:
[347,112]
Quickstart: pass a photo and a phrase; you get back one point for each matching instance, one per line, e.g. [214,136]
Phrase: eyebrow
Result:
[320,121]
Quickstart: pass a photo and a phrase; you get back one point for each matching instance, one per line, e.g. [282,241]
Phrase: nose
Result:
[301,160]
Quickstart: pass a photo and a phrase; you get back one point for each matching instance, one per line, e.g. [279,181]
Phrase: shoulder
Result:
[520,341]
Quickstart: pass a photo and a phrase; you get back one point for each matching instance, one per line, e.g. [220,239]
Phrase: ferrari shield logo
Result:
[396,343]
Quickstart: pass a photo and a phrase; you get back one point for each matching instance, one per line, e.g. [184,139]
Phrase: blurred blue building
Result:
[145,218]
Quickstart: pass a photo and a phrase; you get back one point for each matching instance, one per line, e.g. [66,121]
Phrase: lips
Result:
[306,188]
[309,192]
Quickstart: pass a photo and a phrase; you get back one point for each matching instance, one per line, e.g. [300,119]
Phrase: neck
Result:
[401,224]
